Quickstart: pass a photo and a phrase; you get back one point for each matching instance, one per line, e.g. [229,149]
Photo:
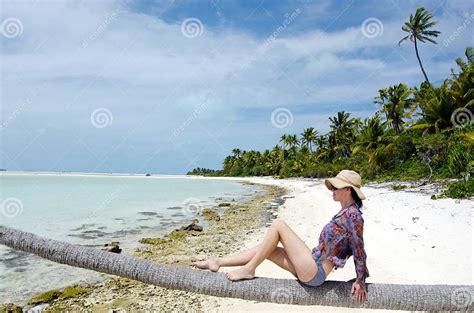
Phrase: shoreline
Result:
[173,248]
[112,212]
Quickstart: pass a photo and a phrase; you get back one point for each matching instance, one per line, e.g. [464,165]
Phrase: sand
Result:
[409,239]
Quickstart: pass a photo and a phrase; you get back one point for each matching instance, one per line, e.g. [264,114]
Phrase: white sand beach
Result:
[409,239]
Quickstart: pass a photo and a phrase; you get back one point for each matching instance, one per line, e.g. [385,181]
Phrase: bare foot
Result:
[212,264]
[241,273]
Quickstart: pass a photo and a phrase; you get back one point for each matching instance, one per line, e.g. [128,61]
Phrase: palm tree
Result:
[249,158]
[462,84]
[321,142]
[395,101]
[228,163]
[275,161]
[342,131]
[293,141]
[289,291]
[237,153]
[308,137]
[418,29]
[373,141]
[438,104]
[285,140]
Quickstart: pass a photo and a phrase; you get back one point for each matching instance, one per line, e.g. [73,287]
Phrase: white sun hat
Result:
[346,178]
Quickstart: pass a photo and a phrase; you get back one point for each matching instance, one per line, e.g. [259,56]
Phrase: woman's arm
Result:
[355,226]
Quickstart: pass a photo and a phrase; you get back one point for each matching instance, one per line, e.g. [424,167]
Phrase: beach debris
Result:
[414,219]
[224,204]
[148,213]
[210,215]
[192,227]
[148,174]
[183,231]
[42,300]
[153,241]
[11,307]
[112,247]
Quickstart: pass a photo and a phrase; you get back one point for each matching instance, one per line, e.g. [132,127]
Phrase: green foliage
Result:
[66,293]
[408,170]
[458,158]
[459,190]
[397,105]
[391,145]
[205,172]
[399,186]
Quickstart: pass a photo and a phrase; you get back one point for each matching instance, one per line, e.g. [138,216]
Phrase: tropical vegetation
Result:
[419,132]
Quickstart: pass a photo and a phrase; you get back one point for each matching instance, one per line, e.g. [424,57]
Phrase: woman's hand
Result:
[360,291]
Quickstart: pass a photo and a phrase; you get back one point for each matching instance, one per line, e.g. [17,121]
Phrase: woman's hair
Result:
[356,198]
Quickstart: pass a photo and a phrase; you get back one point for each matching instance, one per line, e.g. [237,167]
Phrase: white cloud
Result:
[74,57]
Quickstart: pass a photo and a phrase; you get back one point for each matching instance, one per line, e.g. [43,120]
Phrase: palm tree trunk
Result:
[419,61]
[289,291]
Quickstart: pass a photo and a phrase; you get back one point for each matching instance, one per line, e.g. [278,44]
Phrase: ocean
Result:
[92,210]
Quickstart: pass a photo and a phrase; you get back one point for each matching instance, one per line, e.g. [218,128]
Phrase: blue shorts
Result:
[318,278]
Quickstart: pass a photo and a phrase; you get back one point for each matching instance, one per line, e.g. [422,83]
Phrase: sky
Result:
[133,86]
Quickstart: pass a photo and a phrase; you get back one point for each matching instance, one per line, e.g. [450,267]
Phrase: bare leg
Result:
[297,251]
[278,256]
[236,259]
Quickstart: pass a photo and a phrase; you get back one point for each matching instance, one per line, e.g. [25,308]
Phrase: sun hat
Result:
[346,178]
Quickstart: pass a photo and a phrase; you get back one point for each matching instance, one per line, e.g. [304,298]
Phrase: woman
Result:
[339,239]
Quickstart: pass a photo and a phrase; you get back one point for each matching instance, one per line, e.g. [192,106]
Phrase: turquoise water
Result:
[93,210]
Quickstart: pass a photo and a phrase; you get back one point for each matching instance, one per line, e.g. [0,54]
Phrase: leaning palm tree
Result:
[289,291]
[418,28]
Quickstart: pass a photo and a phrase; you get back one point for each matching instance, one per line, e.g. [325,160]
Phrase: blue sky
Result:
[166,86]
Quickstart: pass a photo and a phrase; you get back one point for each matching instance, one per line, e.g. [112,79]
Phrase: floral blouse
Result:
[341,238]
